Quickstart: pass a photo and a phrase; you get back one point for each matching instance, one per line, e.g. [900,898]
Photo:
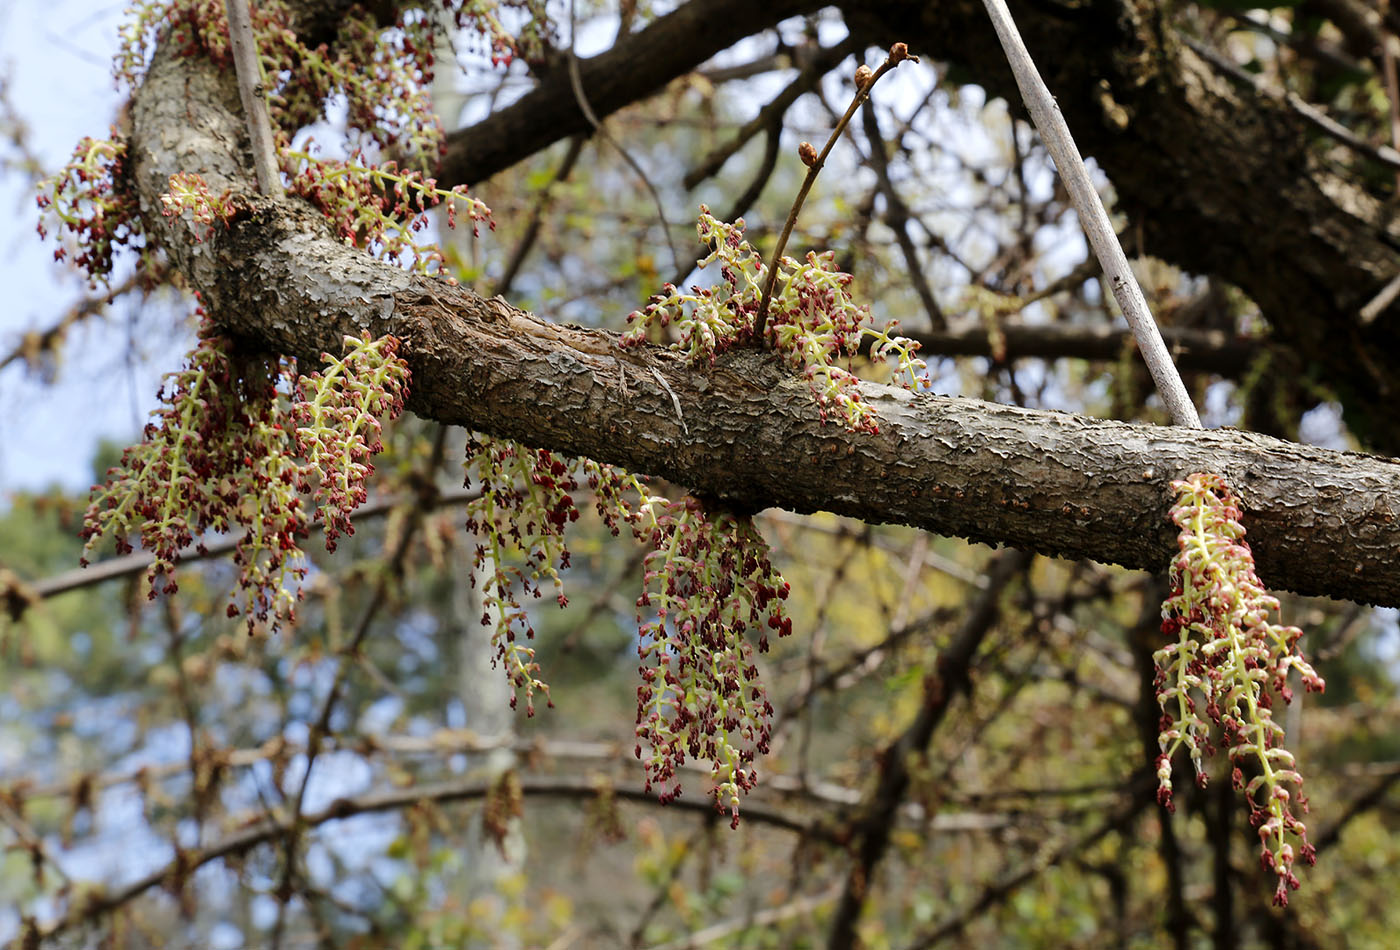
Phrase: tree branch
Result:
[1189,153]
[458,790]
[951,676]
[635,67]
[1217,179]
[253,96]
[1320,522]
[1210,351]
[1093,217]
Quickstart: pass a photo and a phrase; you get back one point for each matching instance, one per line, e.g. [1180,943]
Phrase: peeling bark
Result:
[745,430]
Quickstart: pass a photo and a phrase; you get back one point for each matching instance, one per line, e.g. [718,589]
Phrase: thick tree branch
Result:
[635,67]
[1320,522]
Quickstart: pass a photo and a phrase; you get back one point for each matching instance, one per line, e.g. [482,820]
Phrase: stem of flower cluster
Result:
[898,54]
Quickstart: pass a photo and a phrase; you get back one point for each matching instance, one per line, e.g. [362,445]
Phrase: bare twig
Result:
[35,343]
[1046,857]
[897,217]
[865,81]
[1092,216]
[1383,154]
[274,827]
[321,729]
[952,675]
[1212,351]
[1392,86]
[30,841]
[1381,300]
[576,81]
[532,228]
[254,95]
[135,563]
[763,918]
[825,60]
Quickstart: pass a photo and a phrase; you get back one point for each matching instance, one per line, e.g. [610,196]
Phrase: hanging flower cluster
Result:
[213,458]
[812,320]
[336,415]
[366,65]
[526,503]
[237,442]
[1228,655]
[708,588]
[91,201]
[218,457]
[487,35]
[374,204]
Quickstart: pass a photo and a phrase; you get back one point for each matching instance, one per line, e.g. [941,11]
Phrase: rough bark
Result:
[745,430]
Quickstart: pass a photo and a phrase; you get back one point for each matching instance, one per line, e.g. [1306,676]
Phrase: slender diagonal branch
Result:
[865,81]
[952,676]
[1048,857]
[897,217]
[822,62]
[253,93]
[1093,217]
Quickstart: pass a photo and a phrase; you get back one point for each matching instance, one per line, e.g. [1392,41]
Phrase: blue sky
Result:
[55,60]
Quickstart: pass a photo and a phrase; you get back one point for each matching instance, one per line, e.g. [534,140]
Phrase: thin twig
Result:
[35,343]
[273,827]
[1092,217]
[1392,87]
[1381,300]
[576,81]
[823,61]
[727,929]
[253,92]
[871,830]
[532,228]
[129,564]
[897,217]
[1047,856]
[865,81]
[30,841]
[321,729]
